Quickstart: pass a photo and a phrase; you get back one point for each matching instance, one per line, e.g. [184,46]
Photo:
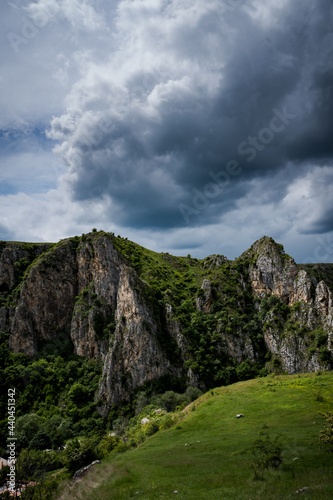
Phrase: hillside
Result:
[95,328]
[207,454]
[166,320]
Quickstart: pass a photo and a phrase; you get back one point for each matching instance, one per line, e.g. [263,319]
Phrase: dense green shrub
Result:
[245,371]
[326,434]
[193,393]
[266,452]
[40,441]
[140,402]
[273,304]
[167,421]
[33,464]
[28,426]
[78,454]
[170,400]
[107,444]
[78,394]
[4,471]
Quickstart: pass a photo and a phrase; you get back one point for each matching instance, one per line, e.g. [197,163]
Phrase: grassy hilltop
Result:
[209,454]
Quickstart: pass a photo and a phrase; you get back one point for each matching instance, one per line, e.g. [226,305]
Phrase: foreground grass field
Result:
[206,454]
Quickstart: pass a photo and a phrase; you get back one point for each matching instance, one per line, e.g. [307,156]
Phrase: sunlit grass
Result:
[205,455]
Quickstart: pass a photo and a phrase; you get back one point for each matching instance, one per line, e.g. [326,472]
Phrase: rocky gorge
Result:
[152,317]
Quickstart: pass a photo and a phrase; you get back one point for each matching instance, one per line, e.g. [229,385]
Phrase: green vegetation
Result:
[176,282]
[54,396]
[266,453]
[326,434]
[56,408]
[272,452]
[211,305]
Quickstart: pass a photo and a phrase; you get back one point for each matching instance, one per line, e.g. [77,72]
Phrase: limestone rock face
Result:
[323,299]
[12,257]
[174,327]
[85,340]
[238,347]
[99,263]
[273,271]
[98,272]
[46,301]
[214,261]
[119,301]
[135,351]
[292,353]
[302,289]
[85,290]
[204,301]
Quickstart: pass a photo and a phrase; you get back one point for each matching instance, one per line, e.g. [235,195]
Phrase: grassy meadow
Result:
[209,454]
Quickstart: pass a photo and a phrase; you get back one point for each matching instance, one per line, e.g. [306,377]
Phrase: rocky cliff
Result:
[304,341]
[150,316]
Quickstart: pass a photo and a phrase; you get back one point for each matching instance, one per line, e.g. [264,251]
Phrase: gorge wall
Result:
[149,316]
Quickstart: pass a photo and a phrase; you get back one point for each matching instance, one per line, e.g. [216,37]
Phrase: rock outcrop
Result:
[14,259]
[271,270]
[204,300]
[136,352]
[104,293]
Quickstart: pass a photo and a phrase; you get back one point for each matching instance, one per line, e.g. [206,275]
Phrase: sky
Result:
[187,126]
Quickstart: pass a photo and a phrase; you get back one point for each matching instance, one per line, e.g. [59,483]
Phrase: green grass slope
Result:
[207,454]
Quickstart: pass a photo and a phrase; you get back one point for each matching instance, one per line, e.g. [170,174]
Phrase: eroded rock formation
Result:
[86,289]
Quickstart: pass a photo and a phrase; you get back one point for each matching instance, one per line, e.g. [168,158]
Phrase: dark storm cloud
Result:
[323,224]
[213,90]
